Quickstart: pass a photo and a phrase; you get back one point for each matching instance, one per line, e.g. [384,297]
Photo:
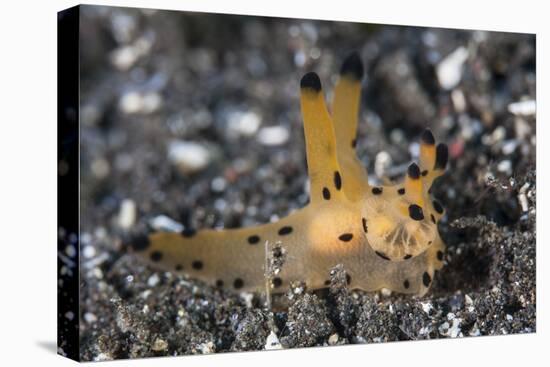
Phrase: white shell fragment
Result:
[127,214]
[272,342]
[188,157]
[273,135]
[523,108]
[449,70]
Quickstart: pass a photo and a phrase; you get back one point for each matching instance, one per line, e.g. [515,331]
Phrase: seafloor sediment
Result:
[194,121]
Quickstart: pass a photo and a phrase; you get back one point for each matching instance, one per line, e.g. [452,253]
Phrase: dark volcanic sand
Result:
[197,78]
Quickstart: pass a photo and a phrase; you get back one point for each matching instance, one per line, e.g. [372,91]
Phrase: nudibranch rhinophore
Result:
[384,236]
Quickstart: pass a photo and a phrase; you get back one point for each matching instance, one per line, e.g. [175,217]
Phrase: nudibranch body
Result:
[384,236]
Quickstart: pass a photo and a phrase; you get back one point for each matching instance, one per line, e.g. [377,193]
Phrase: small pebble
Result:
[159,345]
[523,108]
[273,135]
[244,123]
[127,214]
[90,318]
[218,184]
[333,339]
[140,103]
[272,342]
[459,101]
[449,70]
[505,167]
[381,163]
[509,146]
[153,280]
[89,252]
[70,251]
[427,307]
[522,197]
[165,223]
[100,168]
[207,348]
[188,157]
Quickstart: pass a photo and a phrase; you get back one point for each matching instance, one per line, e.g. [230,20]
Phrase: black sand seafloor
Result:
[192,119]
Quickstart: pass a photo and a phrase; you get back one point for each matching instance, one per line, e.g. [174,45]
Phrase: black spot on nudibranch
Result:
[277,282]
[432,218]
[354,143]
[197,265]
[415,212]
[437,206]
[425,172]
[179,267]
[337,180]
[377,190]
[140,242]
[352,66]
[188,232]
[407,257]
[382,255]
[441,156]
[254,239]
[401,191]
[348,279]
[311,81]
[440,255]
[156,256]
[346,237]
[413,171]
[365,228]
[326,193]
[238,283]
[285,230]
[427,137]
[426,279]
[406,284]
[219,283]
[327,282]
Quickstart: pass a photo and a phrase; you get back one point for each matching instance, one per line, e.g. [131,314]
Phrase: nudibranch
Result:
[384,236]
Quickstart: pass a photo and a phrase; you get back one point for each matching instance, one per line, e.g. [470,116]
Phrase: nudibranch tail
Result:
[231,259]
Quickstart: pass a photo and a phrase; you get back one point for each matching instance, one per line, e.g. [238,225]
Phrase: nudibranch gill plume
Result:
[384,236]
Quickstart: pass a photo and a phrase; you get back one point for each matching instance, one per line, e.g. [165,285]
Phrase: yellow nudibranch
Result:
[384,236]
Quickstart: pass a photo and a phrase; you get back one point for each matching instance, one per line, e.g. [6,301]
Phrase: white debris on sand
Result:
[505,166]
[89,252]
[333,339]
[522,197]
[381,163]
[90,318]
[244,123]
[272,342]
[134,102]
[427,307]
[187,156]
[449,70]
[124,57]
[523,108]
[153,280]
[273,135]
[207,348]
[159,345]
[247,297]
[451,330]
[165,223]
[127,214]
